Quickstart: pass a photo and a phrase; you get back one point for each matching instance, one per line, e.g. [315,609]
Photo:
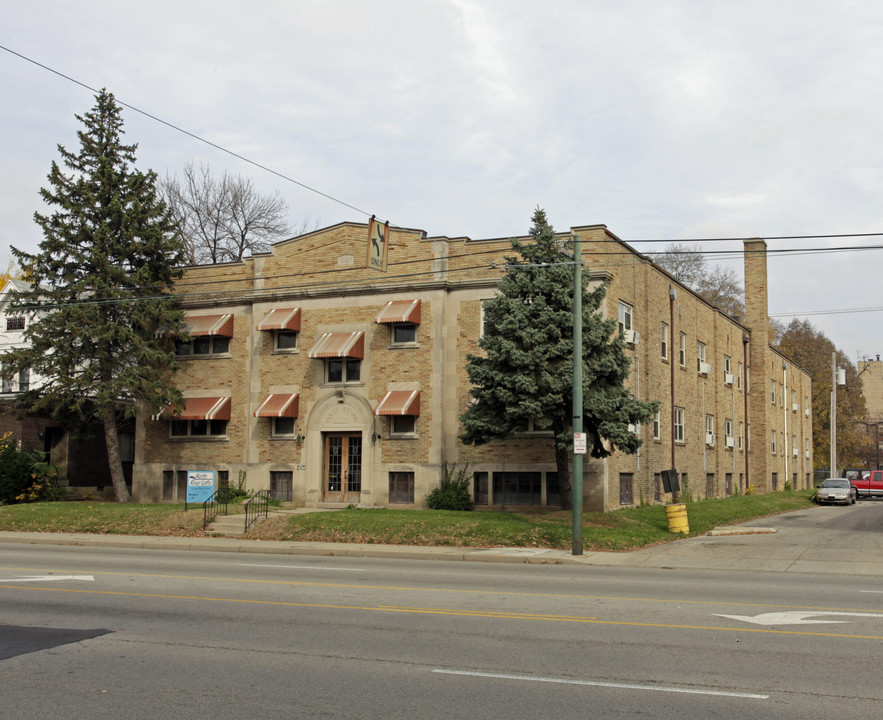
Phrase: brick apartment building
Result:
[330,382]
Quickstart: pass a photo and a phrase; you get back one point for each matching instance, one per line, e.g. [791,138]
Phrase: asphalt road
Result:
[120,633]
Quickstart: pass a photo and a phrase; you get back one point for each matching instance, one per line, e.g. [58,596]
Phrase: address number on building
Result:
[579,443]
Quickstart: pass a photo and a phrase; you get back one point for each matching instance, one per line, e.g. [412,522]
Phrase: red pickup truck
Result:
[868,483]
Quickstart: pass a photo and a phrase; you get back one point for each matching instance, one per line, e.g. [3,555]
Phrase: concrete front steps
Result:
[234,525]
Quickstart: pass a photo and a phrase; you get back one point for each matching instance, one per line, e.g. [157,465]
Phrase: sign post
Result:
[579,437]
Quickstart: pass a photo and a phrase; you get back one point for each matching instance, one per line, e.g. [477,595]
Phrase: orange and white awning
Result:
[399,402]
[281,319]
[205,408]
[279,405]
[400,311]
[339,345]
[202,325]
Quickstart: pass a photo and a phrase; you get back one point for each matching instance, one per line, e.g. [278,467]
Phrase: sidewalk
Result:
[786,543]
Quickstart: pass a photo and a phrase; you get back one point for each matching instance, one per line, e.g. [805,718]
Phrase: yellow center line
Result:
[450,611]
[293,582]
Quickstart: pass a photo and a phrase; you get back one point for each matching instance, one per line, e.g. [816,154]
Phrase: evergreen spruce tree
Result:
[526,374]
[103,321]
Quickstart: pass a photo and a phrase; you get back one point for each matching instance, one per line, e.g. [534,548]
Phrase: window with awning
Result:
[281,319]
[200,418]
[339,345]
[400,311]
[204,408]
[203,325]
[399,402]
[210,335]
[279,405]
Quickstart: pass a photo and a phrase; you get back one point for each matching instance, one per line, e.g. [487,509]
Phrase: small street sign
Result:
[579,443]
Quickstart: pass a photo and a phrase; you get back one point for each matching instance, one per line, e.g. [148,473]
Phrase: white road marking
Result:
[591,683]
[796,618]
[302,567]
[47,578]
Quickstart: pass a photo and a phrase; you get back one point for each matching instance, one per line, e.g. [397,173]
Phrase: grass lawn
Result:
[620,530]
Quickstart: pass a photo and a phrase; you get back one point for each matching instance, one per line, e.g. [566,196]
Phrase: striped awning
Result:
[339,345]
[399,402]
[281,319]
[278,405]
[400,311]
[205,408]
[201,325]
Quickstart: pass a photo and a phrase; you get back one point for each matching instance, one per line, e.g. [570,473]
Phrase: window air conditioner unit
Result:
[704,368]
[807,454]
[729,378]
[795,407]
[806,411]
[631,336]
[709,439]
[633,428]
[795,453]
[731,442]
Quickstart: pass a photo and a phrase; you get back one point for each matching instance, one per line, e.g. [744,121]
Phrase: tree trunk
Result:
[562,460]
[113,456]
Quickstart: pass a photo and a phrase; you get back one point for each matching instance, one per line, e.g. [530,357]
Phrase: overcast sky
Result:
[661,119]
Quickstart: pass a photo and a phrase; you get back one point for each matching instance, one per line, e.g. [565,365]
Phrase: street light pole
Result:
[577,483]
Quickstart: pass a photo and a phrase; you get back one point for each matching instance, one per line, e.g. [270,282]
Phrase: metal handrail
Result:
[214,506]
[256,506]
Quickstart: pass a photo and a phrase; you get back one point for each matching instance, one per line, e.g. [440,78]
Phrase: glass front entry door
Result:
[343,467]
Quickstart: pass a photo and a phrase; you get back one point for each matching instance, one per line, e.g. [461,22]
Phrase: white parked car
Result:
[836,490]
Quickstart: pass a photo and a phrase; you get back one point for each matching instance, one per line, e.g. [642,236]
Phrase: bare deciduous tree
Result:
[717,285]
[224,218]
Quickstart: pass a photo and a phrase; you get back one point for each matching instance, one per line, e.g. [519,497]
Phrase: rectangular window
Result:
[739,375]
[285,340]
[657,419]
[709,485]
[683,350]
[24,380]
[517,488]
[343,370]
[709,424]
[168,484]
[728,484]
[727,365]
[728,430]
[625,489]
[657,487]
[794,450]
[664,341]
[283,425]
[182,485]
[700,355]
[775,481]
[401,488]
[197,428]
[15,323]
[553,490]
[679,424]
[625,317]
[403,425]
[479,488]
[281,485]
[223,478]
[773,441]
[210,345]
[773,392]
[741,427]
[404,334]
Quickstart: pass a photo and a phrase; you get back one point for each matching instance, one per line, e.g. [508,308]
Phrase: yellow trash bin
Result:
[677,518]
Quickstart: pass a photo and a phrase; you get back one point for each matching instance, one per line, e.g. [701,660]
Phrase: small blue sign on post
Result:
[200,485]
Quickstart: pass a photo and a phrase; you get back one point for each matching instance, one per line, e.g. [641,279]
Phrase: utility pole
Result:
[577,484]
[838,377]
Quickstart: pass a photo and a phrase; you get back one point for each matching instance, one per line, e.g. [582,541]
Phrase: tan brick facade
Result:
[336,427]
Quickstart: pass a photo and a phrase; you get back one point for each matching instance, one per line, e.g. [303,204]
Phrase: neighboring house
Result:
[81,459]
[871,374]
[331,383]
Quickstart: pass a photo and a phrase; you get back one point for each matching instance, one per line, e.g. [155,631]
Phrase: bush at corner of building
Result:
[453,491]
[25,477]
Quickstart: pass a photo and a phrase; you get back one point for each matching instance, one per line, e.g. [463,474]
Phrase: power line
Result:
[190,134]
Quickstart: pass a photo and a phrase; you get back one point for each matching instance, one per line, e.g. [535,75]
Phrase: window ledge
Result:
[190,438]
[403,436]
[400,346]
[285,351]
[209,356]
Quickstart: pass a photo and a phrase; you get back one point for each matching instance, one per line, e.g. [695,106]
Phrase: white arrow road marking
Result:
[46,578]
[796,618]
